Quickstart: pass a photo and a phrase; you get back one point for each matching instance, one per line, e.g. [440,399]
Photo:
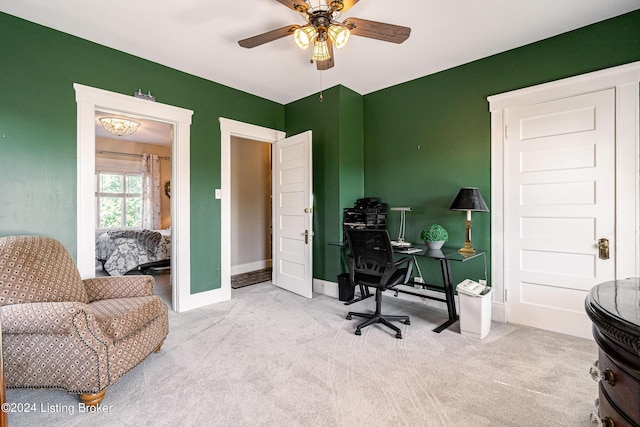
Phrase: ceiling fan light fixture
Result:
[326,31]
[339,34]
[320,50]
[304,36]
[119,127]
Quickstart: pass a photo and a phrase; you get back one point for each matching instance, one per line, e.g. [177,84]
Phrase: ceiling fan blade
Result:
[348,4]
[377,30]
[325,65]
[297,5]
[268,36]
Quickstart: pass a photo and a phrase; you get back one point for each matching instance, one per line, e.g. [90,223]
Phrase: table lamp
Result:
[403,222]
[469,199]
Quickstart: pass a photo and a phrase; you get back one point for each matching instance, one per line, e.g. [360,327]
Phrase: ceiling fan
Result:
[323,31]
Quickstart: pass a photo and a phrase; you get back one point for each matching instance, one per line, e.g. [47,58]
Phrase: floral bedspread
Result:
[125,251]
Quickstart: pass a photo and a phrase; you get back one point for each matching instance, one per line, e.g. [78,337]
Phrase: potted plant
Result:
[434,236]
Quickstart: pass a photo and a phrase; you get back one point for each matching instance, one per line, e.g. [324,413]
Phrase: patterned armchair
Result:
[62,332]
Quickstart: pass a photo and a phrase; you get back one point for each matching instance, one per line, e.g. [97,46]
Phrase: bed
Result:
[121,251]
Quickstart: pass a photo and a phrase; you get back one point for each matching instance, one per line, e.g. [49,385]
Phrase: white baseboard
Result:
[249,267]
[324,287]
[499,312]
[201,299]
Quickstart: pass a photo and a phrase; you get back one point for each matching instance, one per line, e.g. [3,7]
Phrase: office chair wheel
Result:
[407,322]
[348,317]
[358,332]
[399,335]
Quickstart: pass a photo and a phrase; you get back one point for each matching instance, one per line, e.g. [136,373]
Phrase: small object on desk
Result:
[434,236]
[407,250]
[403,219]
[400,244]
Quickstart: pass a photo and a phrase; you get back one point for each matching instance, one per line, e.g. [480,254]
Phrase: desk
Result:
[445,256]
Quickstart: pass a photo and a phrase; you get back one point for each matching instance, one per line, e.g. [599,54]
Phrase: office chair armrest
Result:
[392,267]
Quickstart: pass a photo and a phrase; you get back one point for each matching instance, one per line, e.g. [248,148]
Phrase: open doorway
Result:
[292,211]
[251,212]
[133,190]
[88,101]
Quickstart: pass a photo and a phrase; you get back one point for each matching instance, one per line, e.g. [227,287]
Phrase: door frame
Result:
[625,79]
[229,128]
[89,100]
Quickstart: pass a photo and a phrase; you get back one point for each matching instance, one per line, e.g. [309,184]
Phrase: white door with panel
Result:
[560,209]
[293,201]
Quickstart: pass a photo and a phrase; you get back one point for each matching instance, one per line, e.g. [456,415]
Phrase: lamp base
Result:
[467,249]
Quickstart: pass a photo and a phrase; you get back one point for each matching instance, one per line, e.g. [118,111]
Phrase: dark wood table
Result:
[614,309]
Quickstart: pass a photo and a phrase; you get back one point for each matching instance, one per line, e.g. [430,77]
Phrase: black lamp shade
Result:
[469,199]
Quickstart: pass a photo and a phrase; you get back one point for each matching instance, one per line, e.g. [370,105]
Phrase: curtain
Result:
[150,192]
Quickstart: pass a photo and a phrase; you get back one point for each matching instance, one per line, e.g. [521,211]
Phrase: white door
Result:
[561,201]
[293,201]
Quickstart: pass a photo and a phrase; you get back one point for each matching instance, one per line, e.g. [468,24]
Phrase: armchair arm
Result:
[100,288]
[40,317]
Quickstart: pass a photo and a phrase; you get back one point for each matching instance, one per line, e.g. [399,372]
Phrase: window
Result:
[118,199]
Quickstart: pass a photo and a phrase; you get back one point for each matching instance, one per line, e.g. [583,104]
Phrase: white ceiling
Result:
[200,37]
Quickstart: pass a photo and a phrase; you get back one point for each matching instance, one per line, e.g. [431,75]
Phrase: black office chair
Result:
[371,263]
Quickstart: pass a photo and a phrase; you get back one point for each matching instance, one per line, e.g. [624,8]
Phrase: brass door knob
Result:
[603,248]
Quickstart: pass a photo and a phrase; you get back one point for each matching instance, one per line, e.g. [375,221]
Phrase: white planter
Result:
[475,314]
[434,245]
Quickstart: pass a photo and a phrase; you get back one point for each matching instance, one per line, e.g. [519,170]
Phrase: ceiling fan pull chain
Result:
[321,97]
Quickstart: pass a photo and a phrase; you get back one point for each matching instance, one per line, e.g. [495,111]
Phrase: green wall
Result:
[338,170]
[426,138]
[38,67]
[412,144]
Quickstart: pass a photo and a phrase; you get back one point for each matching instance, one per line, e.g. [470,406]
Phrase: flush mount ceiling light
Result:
[324,31]
[119,127]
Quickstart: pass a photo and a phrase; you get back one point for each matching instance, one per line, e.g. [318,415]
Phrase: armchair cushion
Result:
[119,318]
[100,288]
[38,269]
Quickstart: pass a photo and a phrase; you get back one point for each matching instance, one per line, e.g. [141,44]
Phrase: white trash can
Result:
[475,314]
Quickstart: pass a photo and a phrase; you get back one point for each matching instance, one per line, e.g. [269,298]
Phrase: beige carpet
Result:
[271,358]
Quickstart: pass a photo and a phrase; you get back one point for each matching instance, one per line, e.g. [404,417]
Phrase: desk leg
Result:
[448,292]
